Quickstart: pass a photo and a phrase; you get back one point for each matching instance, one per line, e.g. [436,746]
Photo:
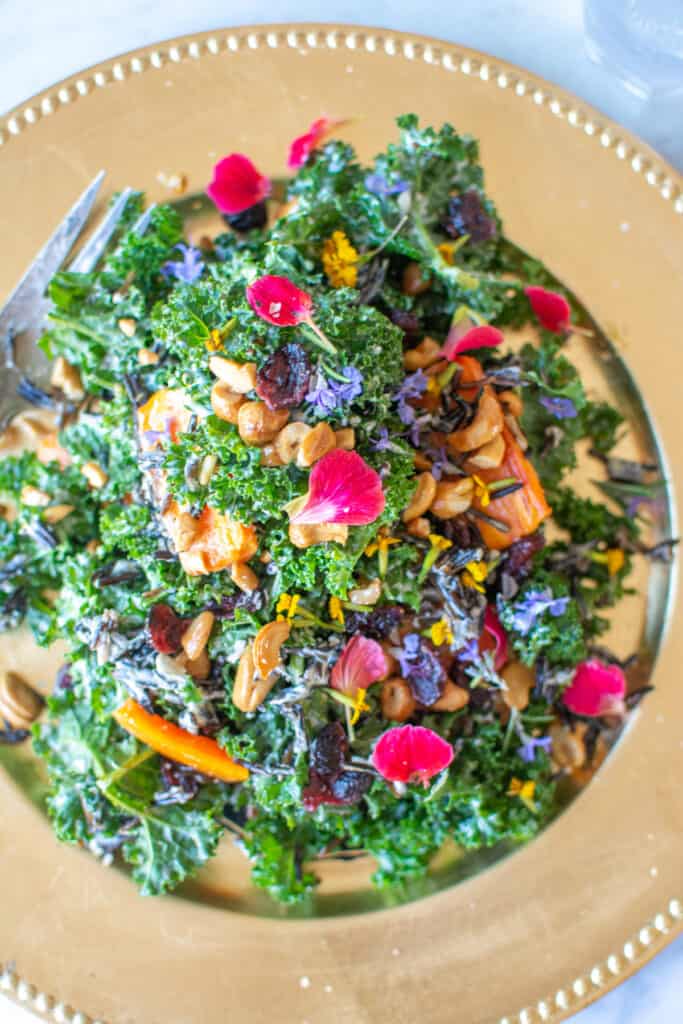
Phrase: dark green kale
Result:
[535,627]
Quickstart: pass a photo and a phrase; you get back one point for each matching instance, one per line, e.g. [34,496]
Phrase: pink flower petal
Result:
[302,147]
[278,301]
[236,184]
[411,753]
[596,689]
[460,340]
[552,310]
[342,488]
[492,626]
[360,664]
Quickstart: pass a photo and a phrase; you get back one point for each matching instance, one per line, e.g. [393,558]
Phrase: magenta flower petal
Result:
[552,310]
[596,689]
[342,488]
[236,184]
[302,147]
[278,301]
[465,339]
[360,664]
[492,625]
[411,753]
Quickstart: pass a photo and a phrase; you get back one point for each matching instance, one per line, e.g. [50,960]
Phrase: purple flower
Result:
[189,268]
[329,394]
[408,652]
[527,751]
[382,443]
[470,652]
[440,461]
[534,604]
[560,408]
[413,386]
[416,427]
[381,186]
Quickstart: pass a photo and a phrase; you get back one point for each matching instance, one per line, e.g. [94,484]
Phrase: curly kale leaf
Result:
[559,638]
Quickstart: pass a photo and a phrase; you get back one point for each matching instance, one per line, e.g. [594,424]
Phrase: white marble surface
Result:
[49,39]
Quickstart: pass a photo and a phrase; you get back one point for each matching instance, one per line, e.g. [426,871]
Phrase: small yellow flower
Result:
[336,610]
[440,633]
[481,490]
[474,574]
[359,705]
[340,261]
[287,603]
[381,544]
[439,542]
[446,251]
[524,790]
[215,340]
[613,558]
[434,386]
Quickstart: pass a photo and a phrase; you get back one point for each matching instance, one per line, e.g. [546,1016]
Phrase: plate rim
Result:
[642,159]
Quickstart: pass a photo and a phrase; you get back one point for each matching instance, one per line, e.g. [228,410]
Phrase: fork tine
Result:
[92,251]
[142,223]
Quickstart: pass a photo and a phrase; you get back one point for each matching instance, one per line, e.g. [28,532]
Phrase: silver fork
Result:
[23,315]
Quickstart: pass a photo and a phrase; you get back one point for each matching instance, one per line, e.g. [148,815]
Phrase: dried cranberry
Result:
[463,532]
[251,601]
[481,699]
[282,381]
[63,680]
[166,628]
[328,750]
[424,673]
[317,792]
[377,624]
[246,220]
[467,216]
[520,554]
[349,787]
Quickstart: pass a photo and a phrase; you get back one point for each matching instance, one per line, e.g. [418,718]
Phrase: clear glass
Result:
[640,41]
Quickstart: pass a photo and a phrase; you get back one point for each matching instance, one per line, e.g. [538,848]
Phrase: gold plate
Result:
[549,929]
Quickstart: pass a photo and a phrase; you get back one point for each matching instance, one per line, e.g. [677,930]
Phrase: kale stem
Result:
[126,767]
[87,332]
[314,333]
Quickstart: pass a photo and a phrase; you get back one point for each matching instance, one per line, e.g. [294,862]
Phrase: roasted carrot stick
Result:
[198,752]
[524,510]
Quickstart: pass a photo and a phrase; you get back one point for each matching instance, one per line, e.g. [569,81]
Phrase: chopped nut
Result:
[196,636]
[174,181]
[182,527]
[316,443]
[452,497]
[199,668]
[487,423]
[420,527]
[147,357]
[34,497]
[127,326]
[424,354]
[270,457]
[519,680]
[422,498]
[55,513]
[421,462]
[67,378]
[517,432]
[511,402]
[568,747]
[304,535]
[94,474]
[345,439]
[20,704]
[258,425]
[249,690]
[225,402]
[288,441]
[489,456]
[453,698]
[207,469]
[368,594]
[244,577]
[240,377]
[397,700]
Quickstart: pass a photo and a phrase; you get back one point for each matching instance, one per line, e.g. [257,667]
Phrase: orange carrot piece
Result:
[169,740]
[524,510]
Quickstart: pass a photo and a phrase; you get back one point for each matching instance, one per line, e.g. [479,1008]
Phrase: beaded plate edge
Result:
[655,934]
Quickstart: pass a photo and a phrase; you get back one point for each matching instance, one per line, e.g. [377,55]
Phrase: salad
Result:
[304,526]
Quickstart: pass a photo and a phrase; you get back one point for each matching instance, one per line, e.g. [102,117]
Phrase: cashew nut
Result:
[453,698]
[267,644]
[397,700]
[511,403]
[422,498]
[489,456]
[243,577]
[419,527]
[519,680]
[318,442]
[67,378]
[304,535]
[258,425]
[196,636]
[249,691]
[345,438]
[452,497]
[487,423]
[369,594]
[288,441]
[424,354]
[225,402]
[239,377]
